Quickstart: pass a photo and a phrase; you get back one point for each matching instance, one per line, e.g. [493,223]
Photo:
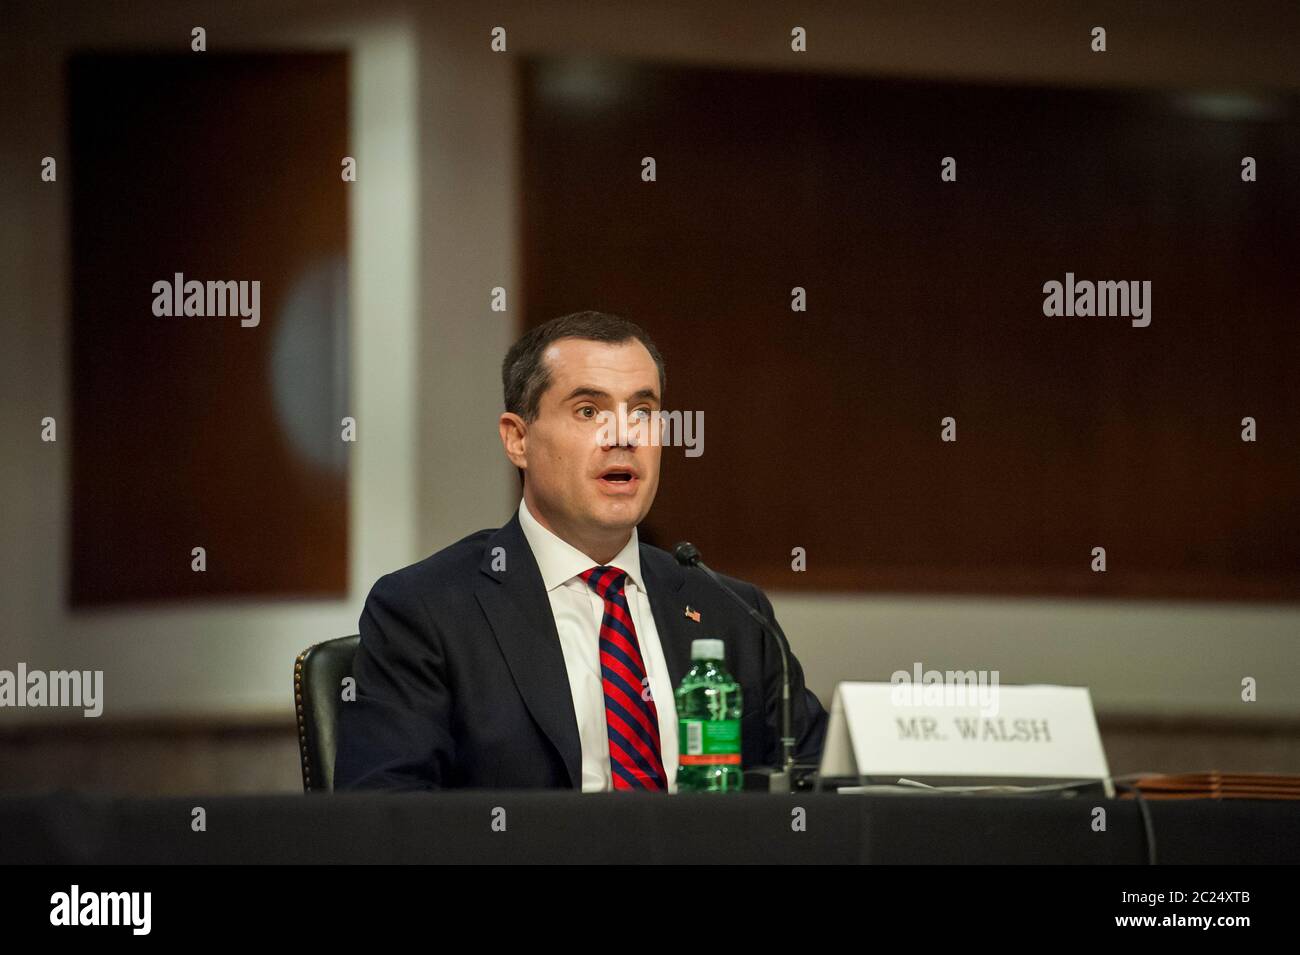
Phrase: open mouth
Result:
[618,479]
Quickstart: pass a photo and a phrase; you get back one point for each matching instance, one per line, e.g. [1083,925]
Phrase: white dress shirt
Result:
[578,612]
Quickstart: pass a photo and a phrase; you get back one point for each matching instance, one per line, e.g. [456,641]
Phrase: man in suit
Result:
[546,653]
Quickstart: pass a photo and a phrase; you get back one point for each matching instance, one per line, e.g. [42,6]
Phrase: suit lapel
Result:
[519,612]
[664,578]
[515,602]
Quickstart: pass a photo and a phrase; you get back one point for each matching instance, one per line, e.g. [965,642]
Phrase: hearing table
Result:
[526,826]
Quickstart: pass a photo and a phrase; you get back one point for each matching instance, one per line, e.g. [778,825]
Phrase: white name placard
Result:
[889,730]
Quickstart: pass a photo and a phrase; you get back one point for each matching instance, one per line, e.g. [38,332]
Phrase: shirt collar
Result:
[559,561]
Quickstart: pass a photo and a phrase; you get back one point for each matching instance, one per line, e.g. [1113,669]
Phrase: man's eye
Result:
[584,409]
[643,412]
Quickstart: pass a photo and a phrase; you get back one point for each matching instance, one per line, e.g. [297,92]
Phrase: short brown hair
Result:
[524,375]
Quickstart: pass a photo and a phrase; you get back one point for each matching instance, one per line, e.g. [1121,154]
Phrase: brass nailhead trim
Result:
[302,719]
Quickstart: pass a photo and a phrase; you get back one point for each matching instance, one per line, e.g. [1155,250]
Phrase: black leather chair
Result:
[318,676]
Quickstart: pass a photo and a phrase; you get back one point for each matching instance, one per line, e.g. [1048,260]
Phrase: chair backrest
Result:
[318,675]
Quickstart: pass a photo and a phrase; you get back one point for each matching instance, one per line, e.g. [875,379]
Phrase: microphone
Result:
[782,778]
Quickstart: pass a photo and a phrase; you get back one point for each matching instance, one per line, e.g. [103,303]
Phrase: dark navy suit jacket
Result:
[461,682]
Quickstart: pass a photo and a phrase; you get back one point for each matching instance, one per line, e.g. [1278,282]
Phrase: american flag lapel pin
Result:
[693,614]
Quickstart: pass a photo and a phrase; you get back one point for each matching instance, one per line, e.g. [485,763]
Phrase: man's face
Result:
[581,482]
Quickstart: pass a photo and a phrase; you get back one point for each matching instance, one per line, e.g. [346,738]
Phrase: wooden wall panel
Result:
[925,300]
[195,430]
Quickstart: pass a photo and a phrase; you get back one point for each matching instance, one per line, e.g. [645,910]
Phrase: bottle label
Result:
[709,742]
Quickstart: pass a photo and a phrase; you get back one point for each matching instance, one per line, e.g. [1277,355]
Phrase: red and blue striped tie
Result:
[630,714]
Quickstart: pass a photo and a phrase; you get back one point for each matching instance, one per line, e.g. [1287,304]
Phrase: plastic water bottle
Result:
[708,717]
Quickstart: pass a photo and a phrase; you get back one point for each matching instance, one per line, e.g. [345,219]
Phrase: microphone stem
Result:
[773,629]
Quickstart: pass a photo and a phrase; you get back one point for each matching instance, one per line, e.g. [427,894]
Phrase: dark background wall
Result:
[925,300]
[189,428]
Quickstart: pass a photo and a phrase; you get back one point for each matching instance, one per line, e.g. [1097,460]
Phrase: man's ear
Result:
[514,438]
